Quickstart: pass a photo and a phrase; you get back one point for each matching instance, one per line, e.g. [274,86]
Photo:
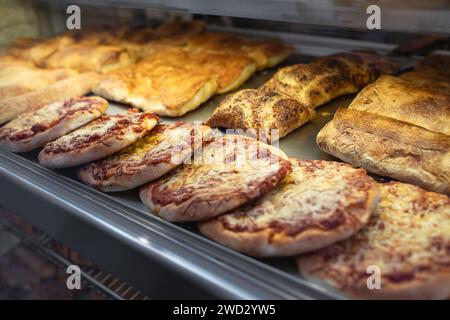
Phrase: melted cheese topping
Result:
[409,233]
[314,192]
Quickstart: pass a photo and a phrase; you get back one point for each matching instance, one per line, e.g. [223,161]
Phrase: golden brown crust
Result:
[389,147]
[429,79]
[315,205]
[259,112]
[399,99]
[24,82]
[82,57]
[77,85]
[231,171]
[437,63]
[98,139]
[328,77]
[407,238]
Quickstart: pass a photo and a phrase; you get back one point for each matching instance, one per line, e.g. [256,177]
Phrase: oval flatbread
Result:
[231,171]
[164,148]
[316,204]
[100,138]
[33,129]
[405,245]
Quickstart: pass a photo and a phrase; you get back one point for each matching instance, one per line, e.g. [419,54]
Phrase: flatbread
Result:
[407,240]
[163,149]
[231,171]
[33,129]
[99,139]
[318,203]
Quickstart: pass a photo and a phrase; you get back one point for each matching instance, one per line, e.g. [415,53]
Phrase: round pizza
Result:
[98,139]
[316,204]
[229,171]
[33,129]
[402,253]
[164,148]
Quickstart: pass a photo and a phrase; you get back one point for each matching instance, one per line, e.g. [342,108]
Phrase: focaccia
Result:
[429,79]
[437,63]
[318,203]
[405,245]
[98,139]
[265,53]
[32,80]
[326,78]
[231,171]
[389,147]
[260,112]
[163,85]
[77,85]
[164,148]
[33,129]
[399,99]
[81,57]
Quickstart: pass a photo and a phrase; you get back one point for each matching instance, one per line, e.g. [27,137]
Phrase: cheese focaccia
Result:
[77,85]
[163,149]
[389,147]
[329,77]
[231,171]
[265,53]
[100,138]
[32,80]
[437,63]
[260,112]
[33,129]
[318,203]
[406,240]
[156,85]
[429,79]
[399,99]
[100,58]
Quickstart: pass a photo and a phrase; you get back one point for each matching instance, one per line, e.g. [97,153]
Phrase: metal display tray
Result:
[159,258]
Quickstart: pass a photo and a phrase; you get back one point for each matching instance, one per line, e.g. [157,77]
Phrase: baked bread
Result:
[389,147]
[32,80]
[437,63]
[260,112]
[232,170]
[399,99]
[41,50]
[100,58]
[407,238]
[163,149]
[160,85]
[266,54]
[98,139]
[318,203]
[326,78]
[77,85]
[429,79]
[33,129]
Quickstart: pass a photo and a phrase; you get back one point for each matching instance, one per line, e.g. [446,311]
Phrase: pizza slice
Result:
[33,129]
[405,245]
[230,171]
[163,149]
[318,203]
[98,139]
